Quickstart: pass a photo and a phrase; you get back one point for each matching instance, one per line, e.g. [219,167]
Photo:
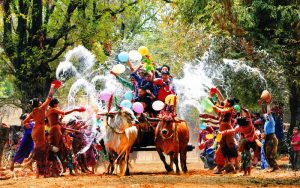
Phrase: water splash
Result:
[198,77]
[81,58]
[237,66]
[202,74]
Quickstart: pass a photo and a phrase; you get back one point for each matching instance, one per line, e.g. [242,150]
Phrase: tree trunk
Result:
[294,106]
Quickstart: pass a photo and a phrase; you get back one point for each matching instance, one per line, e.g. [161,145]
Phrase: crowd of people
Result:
[55,146]
[241,139]
[231,140]
[148,86]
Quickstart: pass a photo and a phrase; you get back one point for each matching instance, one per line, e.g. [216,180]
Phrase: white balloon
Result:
[135,55]
[158,105]
[118,69]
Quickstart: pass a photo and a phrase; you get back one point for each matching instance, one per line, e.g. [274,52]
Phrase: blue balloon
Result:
[202,126]
[123,57]
[128,95]
[126,103]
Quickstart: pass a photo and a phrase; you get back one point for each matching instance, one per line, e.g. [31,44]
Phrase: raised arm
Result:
[220,96]
[50,95]
[248,114]
[60,112]
[27,120]
[130,66]
[218,109]
[205,115]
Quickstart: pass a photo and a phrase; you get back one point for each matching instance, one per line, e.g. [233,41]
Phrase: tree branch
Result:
[138,26]
[61,51]
[115,12]
[36,22]
[65,28]
[8,63]
[7,35]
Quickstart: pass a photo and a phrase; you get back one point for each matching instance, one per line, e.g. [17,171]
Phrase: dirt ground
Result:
[152,174]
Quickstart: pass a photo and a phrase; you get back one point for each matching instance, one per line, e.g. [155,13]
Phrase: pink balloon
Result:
[138,107]
[105,95]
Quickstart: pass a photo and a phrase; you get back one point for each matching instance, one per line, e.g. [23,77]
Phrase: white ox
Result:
[119,136]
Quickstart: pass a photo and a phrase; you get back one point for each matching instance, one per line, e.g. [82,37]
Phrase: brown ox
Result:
[119,136]
[171,138]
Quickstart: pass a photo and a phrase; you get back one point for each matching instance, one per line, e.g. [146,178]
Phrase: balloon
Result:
[148,68]
[207,105]
[213,90]
[123,57]
[143,50]
[56,84]
[219,137]
[126,103]
[202,126]
[128,95]
[135,55]
[105,95]
[170,99]
[237,108]
[118,69]
[158,105]
[138,107]
[201,146]
[209,136]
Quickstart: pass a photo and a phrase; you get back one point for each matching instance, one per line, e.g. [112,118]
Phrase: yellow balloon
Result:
[219,137]
[170,99]
[209,136]
[143,50]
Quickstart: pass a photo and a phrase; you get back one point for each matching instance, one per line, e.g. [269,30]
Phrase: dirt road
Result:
[152,174]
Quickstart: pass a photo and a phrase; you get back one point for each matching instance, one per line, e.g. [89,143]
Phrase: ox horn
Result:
[108,113]
[120,107]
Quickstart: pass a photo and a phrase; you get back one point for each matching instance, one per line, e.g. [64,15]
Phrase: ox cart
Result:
[146,137]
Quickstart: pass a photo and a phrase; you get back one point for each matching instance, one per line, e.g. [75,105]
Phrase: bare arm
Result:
[220,96]
[213,121]
[130,66]
[70,111]
[27,120]
[248,114]
[135,70]
[218,109]
[204,115]
[268,108]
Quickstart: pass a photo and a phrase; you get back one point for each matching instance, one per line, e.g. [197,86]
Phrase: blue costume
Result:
[26,145]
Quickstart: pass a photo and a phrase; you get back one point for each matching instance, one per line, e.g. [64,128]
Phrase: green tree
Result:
[247,26]
[35,34]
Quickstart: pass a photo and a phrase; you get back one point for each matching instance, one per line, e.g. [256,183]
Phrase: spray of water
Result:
[198,77]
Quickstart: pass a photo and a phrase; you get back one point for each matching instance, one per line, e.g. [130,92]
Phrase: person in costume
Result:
[227,144]
[38,131]
[56,143]
[26,145]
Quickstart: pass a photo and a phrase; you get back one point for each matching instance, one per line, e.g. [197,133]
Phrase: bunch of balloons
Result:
[142,54]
